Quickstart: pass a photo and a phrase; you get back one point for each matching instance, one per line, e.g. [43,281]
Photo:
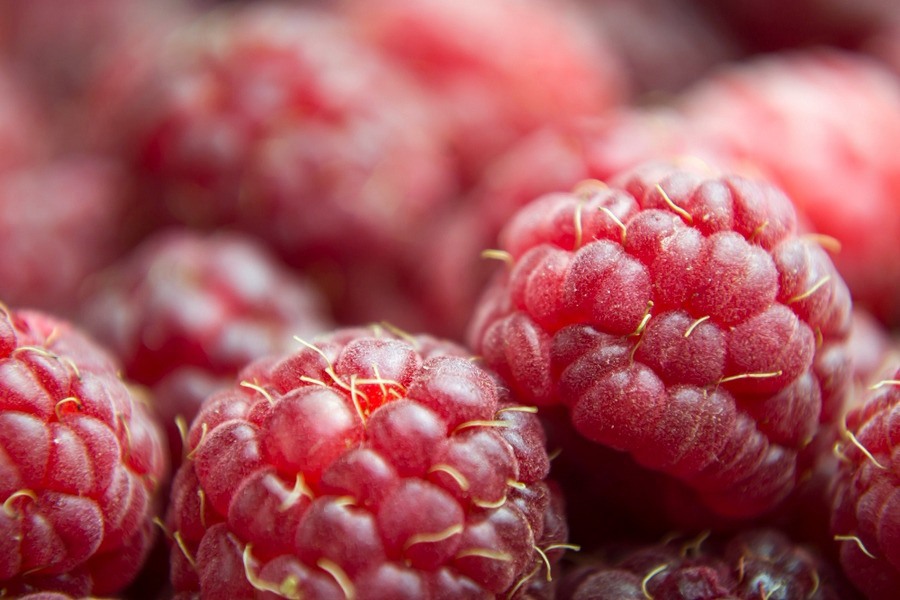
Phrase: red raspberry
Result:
[81,462]
[60,221]
[821,125]
[186,311]
[368,465]
[275,119]
[680,318]
[497,69]
[22,127]
[751,565]
[866,516]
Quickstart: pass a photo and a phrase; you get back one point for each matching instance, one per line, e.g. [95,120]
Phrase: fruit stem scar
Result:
[578,228]
[287,588]
[300,489]
[431,538]
[644,319]
[8,503]
[179,541]
[501,255]
[777,373]
[810,291]
[260,389]
[71,399]
[855,441]
[546,562]
[829,243]
[489,505]
[615,220]
[479,423]
[816,582]
[454,473]
[525,409]
[885,382]
[857,541]
[694,545]
[484,553]
[204,429]
[653,573]
[314,348]
[694,325]
[339,576]
[400,333]
[678,210]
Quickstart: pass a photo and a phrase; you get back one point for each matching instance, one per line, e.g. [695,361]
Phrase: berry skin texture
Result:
[364,463]
[821,125]
[80,463]
[754,564]
[187,310]
[866,515]
[680,318]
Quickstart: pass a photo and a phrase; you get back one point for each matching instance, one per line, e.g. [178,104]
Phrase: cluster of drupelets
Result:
[679,380]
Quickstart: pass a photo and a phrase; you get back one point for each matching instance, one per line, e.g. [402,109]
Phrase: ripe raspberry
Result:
[81,462]
[186,311]
[551,159]
[542,65]
[866,516]
[275,119]
[22,127]
[680,318]
[59,223]
[821,125]
[367,465]
[751,565]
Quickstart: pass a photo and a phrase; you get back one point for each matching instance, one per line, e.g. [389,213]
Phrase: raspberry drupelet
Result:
[366,464]
[680,318]
[866,515]
[81,461]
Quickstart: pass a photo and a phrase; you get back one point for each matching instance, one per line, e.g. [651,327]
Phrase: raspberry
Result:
[186,311]
[275,119]
[766,112]
[542,65]
[81,459]
[366,462]
[866,515]
[680,318]
[59,223]
[22,127]
[759,563]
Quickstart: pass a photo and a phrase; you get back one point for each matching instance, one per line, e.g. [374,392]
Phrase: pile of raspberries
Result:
[444,299]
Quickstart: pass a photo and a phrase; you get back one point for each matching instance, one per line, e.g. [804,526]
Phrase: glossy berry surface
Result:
[367,465]
[80,462]
[681,318]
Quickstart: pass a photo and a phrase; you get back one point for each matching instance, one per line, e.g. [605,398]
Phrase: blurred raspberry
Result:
[498,69]
[186,311]
[680,318]
[60,221]
[821,125]
[81,460]
[365,465]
